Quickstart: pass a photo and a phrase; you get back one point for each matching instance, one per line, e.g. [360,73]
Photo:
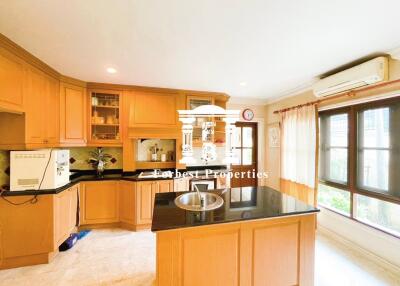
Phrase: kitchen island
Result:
[259,236]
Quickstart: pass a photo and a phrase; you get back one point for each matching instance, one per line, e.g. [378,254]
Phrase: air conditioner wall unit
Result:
[370,72]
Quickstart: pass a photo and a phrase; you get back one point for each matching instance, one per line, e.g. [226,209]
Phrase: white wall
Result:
[376,242]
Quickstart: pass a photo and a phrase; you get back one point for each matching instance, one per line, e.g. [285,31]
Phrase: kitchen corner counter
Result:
[240,204]
[84,177]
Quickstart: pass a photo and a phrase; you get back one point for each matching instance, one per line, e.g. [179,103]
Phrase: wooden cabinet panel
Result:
[268,262]
[145,193]
[72,114]
[165,186]
[127,202]
[65,208]
[35,106]
[74,193]
[99,202]
[278,251]
[153,109]
[11,82]
[41,109]
[201,248]
[52,114]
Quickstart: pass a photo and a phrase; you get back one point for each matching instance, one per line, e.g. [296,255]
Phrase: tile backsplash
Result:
[4,167]
[144,145]
[79,157]
[78,161]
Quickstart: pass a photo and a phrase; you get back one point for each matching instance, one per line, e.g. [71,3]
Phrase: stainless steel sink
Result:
[190,201]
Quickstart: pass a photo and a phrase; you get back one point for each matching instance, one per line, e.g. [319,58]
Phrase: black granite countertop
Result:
[240,204]
[114,174]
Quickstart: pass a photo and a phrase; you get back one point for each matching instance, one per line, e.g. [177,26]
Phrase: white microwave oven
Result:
[39,169]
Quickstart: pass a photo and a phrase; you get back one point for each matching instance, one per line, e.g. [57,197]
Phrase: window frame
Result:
[352,159]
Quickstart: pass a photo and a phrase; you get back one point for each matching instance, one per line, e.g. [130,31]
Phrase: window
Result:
[334,198]
[334,147]
[359,163]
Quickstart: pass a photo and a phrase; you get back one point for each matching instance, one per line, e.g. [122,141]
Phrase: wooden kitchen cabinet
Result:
[153,109]
[73,115]
[65,213]
[127,202]
[165,186]
[11,82]
[99,202]
[41,109]
[105,117]
[38,126]
[145,194]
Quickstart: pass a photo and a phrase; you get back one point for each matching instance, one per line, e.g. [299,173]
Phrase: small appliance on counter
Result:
[40,169]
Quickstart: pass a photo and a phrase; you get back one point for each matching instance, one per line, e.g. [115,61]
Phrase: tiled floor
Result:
[119,257]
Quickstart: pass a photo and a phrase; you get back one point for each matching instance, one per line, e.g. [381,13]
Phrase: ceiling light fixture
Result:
[243,83]
[111,70]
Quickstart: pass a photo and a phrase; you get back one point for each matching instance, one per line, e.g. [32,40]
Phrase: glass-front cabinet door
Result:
[193,101]
[105,117]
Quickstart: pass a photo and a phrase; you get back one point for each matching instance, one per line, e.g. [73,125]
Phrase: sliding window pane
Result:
[375,169]
[375,128]
[333,198]
[338,164]
[334,148]
[338,128]
[378,158]
[377,213]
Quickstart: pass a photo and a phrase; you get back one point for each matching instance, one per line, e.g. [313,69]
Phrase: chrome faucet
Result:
[201,199]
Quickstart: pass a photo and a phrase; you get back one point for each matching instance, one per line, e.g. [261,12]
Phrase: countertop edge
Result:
[311,212]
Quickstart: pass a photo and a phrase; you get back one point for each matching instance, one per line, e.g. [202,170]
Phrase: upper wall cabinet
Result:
[73,115]
[105,126]
[41,105]
[11,82]
[38,126]
[153,109]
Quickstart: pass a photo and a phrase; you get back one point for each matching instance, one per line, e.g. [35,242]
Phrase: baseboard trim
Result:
[348,243]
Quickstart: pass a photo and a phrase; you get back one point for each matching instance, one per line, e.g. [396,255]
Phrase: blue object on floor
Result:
[83,233]
[69,242]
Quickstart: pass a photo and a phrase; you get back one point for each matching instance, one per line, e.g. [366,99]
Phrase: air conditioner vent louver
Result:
[367,73]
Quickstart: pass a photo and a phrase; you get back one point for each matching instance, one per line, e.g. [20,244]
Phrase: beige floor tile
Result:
[120,257]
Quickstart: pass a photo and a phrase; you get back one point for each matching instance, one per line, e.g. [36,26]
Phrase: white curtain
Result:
[298,150]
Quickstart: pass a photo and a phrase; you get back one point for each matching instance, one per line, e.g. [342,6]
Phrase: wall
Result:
[378,243]
[272,155]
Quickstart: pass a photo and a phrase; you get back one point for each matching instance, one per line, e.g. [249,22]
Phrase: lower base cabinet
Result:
[145,194]
[31,232]
[128,203]
[99,202]
[65,213]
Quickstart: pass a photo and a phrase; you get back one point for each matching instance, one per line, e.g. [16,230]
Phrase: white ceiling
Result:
[274,46]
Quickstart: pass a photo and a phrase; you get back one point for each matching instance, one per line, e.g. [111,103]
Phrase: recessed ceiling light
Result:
[111,70]
[243,83]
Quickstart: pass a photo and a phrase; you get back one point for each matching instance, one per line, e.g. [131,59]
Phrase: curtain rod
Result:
[346,93]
